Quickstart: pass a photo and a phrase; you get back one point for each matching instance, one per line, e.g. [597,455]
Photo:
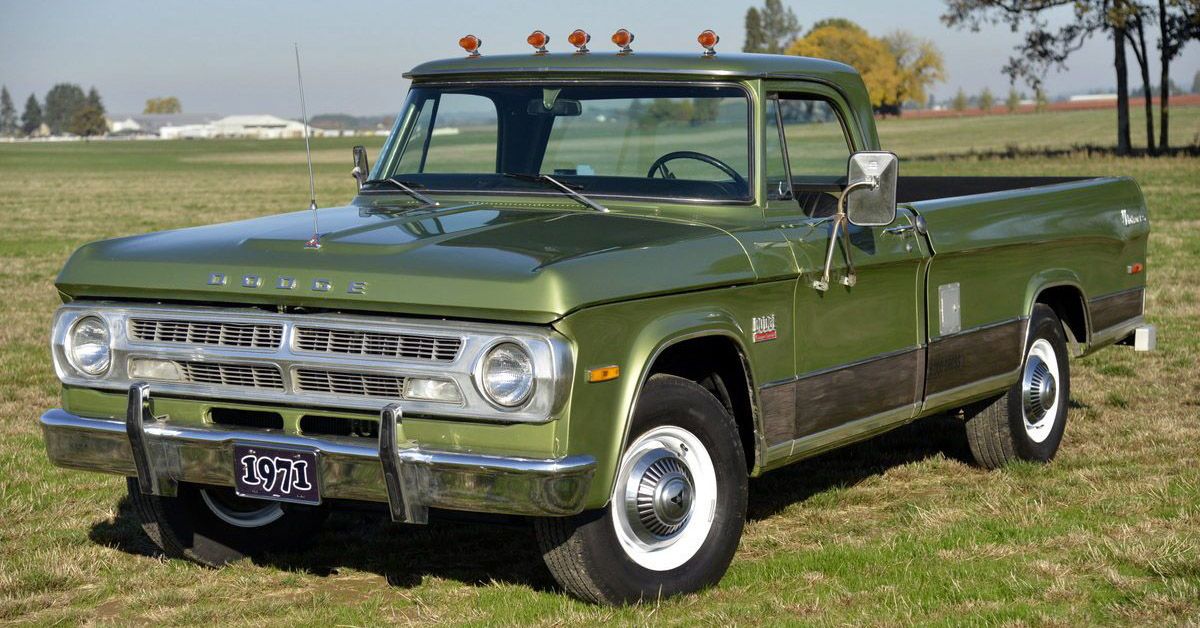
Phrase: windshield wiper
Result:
[406,187]
[569,190]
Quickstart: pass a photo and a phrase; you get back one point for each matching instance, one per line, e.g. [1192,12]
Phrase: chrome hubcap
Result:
[665,498]
[1040,389]
[1041,401]
[659,495]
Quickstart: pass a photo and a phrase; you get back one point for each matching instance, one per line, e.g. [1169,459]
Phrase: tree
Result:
[1040,100]
[88,121]
[1196,83]
[756,39]
[836,22]
[61,103]
[8,113]
[93,99]
[168,104]
[853,46]
[1044,48]
[960,101]
[770,29]
[1178,22]
[986,100]
[1135,23]
[31,120]
[918,63]
[1013,103]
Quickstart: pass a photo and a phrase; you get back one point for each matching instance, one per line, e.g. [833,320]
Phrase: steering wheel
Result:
[660,165]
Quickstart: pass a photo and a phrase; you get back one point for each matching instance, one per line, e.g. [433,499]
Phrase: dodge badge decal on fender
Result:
[764,328]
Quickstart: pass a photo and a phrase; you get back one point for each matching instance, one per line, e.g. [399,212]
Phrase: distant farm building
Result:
[203,126]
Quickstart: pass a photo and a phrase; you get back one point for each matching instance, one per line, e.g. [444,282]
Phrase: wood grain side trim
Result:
[1116,308]
[974,355]
[827,399]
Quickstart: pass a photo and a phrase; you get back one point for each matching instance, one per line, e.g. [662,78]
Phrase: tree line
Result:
[1124,22]
[65,109]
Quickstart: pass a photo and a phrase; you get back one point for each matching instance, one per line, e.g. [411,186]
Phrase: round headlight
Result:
[507,375]
[88,345]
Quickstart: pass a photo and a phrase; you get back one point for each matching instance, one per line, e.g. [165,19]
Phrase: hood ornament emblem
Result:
[315,241]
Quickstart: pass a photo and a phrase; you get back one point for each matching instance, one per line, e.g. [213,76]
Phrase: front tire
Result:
[213,527]
[677,509]
[1027,421]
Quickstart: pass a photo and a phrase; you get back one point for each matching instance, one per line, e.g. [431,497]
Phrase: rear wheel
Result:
[1027,421]
[213,526]
[677,510]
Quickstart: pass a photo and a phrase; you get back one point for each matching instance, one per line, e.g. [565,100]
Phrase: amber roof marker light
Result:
[579,38]
[708,39]
[622,39]
[471,44]
[538,40]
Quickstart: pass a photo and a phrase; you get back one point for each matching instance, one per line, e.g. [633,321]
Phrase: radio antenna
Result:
[315,241]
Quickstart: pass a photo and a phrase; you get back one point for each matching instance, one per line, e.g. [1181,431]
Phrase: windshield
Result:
[683,142]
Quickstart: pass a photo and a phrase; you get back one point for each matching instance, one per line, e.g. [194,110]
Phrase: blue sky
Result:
[236,57]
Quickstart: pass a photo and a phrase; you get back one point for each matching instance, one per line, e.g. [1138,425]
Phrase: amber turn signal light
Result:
[579,38]
[538,40]
[471,44]
[708,39]
[622,39]
[603,374]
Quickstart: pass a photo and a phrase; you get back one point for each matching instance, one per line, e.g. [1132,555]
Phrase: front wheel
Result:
[677,510]
[213,526]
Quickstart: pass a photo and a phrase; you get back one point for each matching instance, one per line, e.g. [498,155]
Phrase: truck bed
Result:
[915,189]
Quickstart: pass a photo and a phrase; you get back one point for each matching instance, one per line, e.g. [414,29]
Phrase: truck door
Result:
[859,349]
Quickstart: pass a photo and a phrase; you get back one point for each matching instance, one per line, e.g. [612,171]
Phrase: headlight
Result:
[88,345]
[506,375]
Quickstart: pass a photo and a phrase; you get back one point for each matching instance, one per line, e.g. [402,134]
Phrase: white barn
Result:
[257,126]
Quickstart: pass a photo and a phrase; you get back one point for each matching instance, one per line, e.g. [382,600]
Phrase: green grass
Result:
[895,530]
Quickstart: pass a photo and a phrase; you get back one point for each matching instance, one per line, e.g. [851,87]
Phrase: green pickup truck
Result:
[597,291]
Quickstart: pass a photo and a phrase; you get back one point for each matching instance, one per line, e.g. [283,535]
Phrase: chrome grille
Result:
[344,383]
[244,375]
[375,343]
[222,334]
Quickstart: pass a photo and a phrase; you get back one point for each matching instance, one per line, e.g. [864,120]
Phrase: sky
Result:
[235,57]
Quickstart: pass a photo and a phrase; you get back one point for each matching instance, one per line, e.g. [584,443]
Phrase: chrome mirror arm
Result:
[839,222]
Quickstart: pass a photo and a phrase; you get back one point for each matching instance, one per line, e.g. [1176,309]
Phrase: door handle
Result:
[899,230]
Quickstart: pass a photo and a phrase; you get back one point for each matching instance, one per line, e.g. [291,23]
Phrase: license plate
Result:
[276,473]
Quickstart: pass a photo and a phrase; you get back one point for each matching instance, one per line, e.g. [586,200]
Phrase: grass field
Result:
[895,530]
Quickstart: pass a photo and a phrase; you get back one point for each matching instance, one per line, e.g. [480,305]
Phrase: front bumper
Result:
[408,478]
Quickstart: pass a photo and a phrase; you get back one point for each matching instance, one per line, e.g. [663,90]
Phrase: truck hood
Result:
[465,261]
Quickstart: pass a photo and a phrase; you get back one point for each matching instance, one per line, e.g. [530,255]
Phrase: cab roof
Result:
[611,64]
[720,65]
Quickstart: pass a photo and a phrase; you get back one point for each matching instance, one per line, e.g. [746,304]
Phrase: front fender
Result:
[631,335]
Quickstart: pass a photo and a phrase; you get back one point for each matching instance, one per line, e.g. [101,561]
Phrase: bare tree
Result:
[1135,21]
[1045,48]
[1178,23]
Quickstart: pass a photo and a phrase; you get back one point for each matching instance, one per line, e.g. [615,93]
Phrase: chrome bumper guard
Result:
[411,480]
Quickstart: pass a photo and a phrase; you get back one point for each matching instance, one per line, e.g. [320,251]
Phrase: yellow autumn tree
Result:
[850,44]
[919,64]
[898,68]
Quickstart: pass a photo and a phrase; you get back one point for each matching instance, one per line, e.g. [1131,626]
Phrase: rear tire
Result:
[677,510]
[1027,421]
[213,527]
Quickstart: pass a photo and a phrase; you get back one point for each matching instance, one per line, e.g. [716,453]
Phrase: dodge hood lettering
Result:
[472,261]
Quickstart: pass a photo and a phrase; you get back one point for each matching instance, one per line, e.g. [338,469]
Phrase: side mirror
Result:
[361,169]
[870,196]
